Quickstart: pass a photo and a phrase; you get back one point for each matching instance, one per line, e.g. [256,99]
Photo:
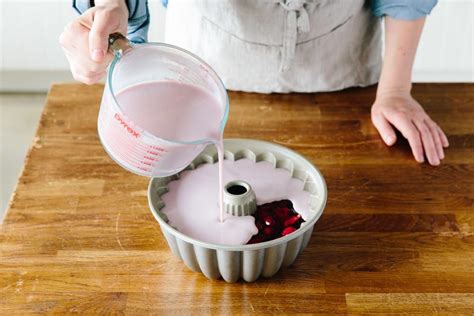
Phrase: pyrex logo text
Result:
[125,125]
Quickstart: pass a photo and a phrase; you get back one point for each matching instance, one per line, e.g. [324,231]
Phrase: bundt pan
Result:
[248,262]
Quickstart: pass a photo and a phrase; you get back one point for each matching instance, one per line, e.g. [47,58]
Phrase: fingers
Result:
[85,40]
[75,44]
[428,142]
[385,129]
[411,133]
[99,35]
[436,137]
[83,70]
[405,114]
[442,135]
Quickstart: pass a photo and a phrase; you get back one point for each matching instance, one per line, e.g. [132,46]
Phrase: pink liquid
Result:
[176,111]
[191,203]
[173,110]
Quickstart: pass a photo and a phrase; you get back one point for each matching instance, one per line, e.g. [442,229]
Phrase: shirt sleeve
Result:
[403,9]
[138,19]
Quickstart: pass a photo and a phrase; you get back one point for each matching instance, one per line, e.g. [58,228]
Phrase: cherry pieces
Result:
[275,220]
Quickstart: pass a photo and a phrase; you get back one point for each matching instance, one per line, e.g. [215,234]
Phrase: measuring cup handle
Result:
[119,44]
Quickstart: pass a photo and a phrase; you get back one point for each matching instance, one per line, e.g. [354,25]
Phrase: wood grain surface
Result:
[395,237]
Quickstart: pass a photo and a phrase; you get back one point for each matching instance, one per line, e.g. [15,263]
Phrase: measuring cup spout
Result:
[119,44]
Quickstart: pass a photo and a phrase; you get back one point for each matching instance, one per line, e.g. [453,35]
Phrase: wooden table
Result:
[396,236]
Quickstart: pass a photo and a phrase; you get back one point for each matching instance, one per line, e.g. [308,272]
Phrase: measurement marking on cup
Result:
[154,153]
[129,157]
[150,158]
[144,169]
[117,132]
[124,147]
[124,155]
[131,161]
[125,140]
[158,148]
[128,144]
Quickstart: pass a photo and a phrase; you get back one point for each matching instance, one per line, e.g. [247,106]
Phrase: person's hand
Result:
[400,110]
[85,40]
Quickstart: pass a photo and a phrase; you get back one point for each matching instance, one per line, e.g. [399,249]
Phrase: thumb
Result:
[99,36]
[385,129]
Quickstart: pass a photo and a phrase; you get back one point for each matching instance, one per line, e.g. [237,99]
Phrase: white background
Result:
[31,57]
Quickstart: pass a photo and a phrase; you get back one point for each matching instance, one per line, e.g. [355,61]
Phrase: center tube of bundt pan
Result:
[220,159]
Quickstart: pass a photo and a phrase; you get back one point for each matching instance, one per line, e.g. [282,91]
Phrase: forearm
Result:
[401,42]
[136,10]
[120,3]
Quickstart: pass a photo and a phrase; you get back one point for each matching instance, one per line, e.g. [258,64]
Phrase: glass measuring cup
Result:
[130,145]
